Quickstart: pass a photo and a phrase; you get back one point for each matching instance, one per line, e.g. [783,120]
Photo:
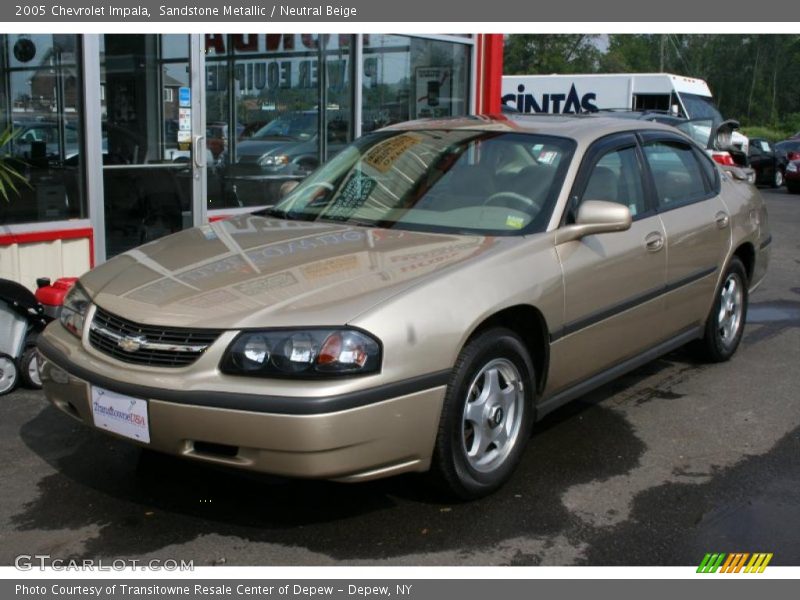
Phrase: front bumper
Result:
[365,436]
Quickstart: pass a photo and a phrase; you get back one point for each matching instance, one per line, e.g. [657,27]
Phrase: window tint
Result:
[677,174]
[617,178]
[709,168]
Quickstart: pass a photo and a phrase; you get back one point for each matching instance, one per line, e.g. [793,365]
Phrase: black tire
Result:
[9,374]
[793,187]
[509,415]
[719,341]
[28,369]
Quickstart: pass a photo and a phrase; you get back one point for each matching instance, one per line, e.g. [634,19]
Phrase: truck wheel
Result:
[8,374]
[29,369]
[486,417]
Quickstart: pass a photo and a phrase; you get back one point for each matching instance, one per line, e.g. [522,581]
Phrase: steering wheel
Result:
[321,195]
[517,201]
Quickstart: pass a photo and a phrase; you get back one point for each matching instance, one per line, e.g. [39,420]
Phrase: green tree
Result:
[546,53]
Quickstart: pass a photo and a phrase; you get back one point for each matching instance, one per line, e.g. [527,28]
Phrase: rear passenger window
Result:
[710,170]
[677,173]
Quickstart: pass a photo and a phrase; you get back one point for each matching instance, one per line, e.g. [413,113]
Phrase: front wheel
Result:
[487,415]
[725,323]
[8,374]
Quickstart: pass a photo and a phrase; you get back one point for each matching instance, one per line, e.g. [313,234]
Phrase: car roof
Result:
[583,127]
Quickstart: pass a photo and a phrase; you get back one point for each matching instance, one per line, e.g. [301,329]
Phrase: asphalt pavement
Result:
[657,468]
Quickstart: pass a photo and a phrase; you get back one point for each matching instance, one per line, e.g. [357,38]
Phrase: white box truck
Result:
[572,94]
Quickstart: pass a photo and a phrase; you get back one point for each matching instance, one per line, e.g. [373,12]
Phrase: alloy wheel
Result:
[492,416]
[729,319]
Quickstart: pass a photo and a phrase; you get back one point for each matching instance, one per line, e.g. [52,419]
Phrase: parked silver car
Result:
[418,302]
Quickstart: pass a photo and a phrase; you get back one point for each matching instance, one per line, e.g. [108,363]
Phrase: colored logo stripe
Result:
[734,562]
[758,563]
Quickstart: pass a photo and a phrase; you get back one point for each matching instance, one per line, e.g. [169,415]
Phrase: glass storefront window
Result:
[40,100]
[147,137]
[412,78]
[272,114]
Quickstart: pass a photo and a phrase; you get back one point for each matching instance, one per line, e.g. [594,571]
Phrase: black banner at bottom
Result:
[412,589]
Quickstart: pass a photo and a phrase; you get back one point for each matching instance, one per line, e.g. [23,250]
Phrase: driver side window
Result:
[617,177]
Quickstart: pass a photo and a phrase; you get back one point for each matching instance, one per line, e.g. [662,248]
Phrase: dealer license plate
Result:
[120,414]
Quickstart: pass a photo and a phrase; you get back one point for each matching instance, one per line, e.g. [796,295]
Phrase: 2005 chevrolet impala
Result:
[416,303]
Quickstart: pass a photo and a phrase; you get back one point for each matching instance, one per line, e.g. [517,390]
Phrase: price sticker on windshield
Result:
[382,156]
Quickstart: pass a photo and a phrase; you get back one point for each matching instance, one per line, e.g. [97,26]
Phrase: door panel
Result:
[696,247]
[613,301]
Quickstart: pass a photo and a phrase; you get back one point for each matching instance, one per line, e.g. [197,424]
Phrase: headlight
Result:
[73,311]
[306,353]
[274,160]
[792,167]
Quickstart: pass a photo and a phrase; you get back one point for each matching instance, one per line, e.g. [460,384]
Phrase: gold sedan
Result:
[418,302]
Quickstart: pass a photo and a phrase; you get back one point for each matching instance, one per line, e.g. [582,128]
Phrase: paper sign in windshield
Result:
[383,156]
[352,196]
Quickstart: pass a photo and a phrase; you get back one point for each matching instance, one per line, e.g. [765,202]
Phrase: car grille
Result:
[148,345]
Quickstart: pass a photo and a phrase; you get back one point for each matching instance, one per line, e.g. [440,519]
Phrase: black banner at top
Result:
[465,11]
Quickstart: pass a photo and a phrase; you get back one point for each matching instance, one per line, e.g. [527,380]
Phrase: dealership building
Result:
[122,139]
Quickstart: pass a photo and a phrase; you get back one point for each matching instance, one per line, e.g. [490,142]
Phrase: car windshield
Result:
[699,130]
[700,107]
[448,181]
[297,126]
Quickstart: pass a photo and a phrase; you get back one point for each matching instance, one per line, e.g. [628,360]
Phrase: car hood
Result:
[251,150]
[252,271]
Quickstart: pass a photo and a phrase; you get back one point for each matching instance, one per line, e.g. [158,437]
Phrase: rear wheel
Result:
[8,374]
[793,187]
[778,179]
[29,369]
[486,417]
[725,323]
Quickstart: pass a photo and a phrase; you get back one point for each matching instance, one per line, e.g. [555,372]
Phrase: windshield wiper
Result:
[271,211]
[352,221]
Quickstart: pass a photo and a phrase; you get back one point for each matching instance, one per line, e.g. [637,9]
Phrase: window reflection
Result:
[412,78]
[273,115]
[40,103]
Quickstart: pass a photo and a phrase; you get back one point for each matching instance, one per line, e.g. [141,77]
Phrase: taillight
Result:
[723,158]
[793,155]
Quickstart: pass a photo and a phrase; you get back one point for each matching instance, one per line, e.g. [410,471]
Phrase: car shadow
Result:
[139,501]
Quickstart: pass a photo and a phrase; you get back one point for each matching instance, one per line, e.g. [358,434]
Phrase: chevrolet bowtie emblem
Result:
[131,343]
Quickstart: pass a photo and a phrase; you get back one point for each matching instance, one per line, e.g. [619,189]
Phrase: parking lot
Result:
[670,462]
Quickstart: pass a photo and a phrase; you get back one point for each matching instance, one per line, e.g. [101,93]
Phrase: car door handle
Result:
[722,219]
[654,241]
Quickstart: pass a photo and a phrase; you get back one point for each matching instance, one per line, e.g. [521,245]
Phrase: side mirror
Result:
[596,216]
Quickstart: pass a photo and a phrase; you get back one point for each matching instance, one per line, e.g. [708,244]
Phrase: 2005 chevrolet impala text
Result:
[416,303]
